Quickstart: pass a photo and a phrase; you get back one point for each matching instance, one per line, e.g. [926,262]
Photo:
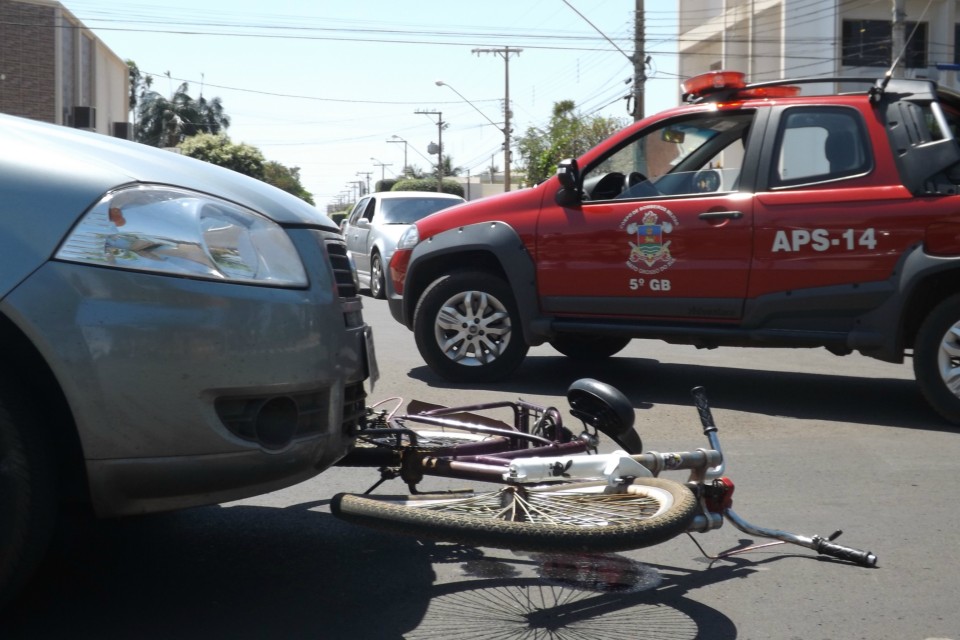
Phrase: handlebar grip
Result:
[703,408]
[865,558]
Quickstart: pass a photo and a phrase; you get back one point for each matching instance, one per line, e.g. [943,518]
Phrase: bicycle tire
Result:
[435,442]
[559,518]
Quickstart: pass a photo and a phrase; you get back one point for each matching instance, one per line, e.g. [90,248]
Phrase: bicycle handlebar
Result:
[825,547]
[703,408]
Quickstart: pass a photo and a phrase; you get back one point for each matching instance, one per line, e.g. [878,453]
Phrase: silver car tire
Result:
[467,328]
[376,277]
[28,490]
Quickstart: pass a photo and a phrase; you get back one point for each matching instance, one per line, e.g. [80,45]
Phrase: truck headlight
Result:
[179,232]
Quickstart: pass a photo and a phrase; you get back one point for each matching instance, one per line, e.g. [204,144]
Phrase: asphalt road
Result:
[814,443]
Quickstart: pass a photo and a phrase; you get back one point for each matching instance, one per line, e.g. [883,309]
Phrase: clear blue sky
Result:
[323,85]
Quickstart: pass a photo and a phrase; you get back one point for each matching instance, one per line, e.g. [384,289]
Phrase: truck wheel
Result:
[936,358]
[28,498]
[587,347]
[467,328]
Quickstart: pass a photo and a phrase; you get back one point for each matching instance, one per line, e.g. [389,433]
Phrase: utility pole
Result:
[383,168]
[639,61]
[505,54]
[440,125]
[367,174]
[897,39]
[405,143]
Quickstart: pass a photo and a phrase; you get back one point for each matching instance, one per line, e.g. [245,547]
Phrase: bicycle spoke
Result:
[590,509]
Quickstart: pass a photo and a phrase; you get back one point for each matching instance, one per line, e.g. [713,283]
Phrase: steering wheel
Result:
[635,178]
[636,185]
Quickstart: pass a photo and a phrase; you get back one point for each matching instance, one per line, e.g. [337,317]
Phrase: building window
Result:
[68,81]
[869,43]
[85,67]
[956,41]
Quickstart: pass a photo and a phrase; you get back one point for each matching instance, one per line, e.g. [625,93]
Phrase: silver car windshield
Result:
[409,210]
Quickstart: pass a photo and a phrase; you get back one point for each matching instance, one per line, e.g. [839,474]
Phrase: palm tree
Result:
[449,169]
[212,117]
[166,122]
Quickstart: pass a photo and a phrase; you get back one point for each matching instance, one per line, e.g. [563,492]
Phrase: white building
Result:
[772,39]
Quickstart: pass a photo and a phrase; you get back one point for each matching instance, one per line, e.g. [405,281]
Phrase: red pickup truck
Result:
[771,214]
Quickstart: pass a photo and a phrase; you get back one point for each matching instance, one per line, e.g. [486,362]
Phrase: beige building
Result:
[772,39]
[54,69]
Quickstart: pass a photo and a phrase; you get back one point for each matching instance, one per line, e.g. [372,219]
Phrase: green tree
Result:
[449,169]
[165,122]
[428,184]
[567,136]
[219,150]
[139,85]
[286,178]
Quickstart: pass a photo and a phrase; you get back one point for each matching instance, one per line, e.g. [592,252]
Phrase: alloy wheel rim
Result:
[473,328]
[948,359]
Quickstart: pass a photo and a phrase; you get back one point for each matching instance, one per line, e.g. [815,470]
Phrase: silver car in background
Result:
[376,223]
[171,334]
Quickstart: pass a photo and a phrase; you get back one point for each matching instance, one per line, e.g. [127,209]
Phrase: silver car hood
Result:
[84,165]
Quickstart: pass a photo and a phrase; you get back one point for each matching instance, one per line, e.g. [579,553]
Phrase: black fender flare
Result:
[503,244]
[887,323]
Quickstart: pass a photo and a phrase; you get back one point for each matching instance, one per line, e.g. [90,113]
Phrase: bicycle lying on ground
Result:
[549,497]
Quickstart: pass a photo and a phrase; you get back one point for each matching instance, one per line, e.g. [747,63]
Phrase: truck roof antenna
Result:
[903,50]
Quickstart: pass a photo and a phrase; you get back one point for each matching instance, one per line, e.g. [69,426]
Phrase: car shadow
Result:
[226,572]
[840,398]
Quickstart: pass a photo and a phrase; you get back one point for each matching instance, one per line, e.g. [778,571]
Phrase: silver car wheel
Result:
[473,328]
[376,276]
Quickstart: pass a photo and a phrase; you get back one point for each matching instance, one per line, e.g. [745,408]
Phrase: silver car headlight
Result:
[409,238]
[180,232]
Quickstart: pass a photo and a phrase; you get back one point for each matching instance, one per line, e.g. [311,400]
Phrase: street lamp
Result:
[395,139]
[505,130]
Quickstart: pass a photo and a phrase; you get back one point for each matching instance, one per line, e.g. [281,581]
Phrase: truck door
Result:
[664,228]
[832,211]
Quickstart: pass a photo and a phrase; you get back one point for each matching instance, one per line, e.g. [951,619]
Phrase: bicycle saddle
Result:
[607,410]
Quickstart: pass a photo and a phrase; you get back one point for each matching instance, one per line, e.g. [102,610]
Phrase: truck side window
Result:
[819,144]
[695,155]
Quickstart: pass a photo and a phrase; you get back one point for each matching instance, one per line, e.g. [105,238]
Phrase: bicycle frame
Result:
[534,459]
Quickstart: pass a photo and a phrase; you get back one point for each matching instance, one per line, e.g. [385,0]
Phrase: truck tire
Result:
[936,359]
[28,495]
[467,328]
[588,347]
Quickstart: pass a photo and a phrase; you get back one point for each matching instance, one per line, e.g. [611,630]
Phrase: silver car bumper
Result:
[188,392]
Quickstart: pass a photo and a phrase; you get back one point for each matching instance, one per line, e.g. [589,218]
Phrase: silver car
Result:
[171,334]
[376,223]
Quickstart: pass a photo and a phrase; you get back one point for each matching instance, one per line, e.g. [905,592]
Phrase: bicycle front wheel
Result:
[560,518]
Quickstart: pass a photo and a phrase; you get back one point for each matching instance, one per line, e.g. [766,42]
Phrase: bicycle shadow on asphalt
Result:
[647,382]
[263,572]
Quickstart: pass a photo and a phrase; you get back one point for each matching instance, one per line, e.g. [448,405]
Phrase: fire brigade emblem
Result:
[649,248]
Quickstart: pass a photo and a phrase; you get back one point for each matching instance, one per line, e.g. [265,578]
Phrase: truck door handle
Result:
[721,215]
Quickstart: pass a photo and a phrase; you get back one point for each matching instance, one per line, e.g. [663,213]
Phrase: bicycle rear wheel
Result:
[561,518]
